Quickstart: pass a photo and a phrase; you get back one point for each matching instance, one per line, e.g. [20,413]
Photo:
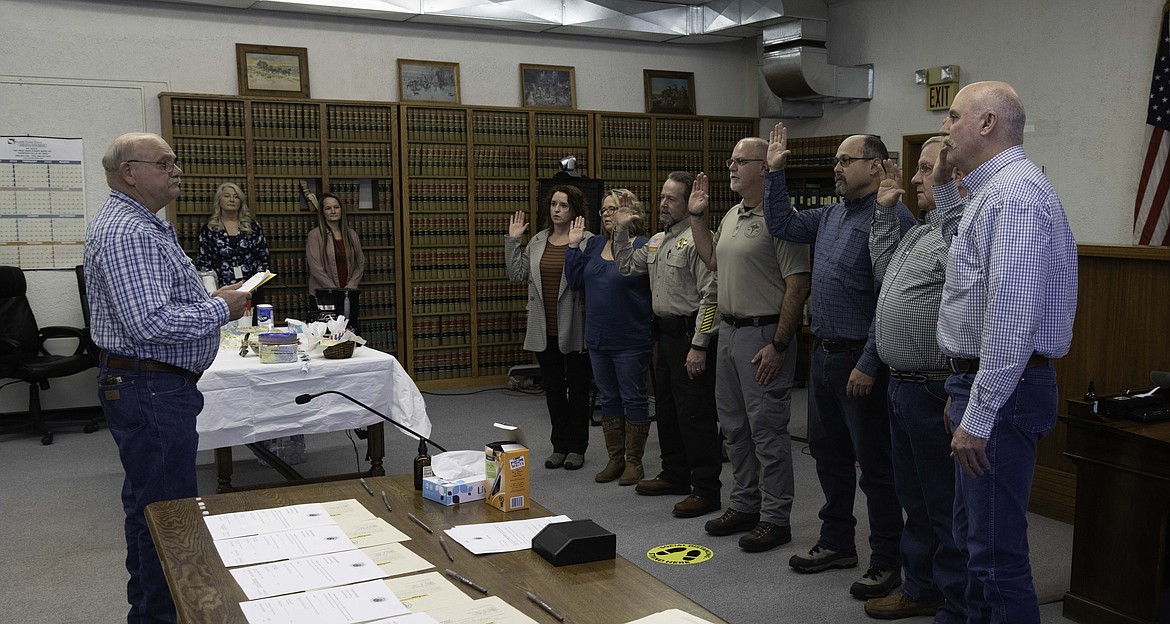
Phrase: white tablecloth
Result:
[246,401]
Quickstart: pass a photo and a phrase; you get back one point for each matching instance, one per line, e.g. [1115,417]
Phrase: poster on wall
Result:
[42,202]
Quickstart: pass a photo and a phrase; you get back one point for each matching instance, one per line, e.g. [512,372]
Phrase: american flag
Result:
[1151,211]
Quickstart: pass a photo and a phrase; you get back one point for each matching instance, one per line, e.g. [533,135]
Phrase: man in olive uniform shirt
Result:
[683,295]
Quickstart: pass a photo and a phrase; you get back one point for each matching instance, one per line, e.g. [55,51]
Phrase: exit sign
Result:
[940,96]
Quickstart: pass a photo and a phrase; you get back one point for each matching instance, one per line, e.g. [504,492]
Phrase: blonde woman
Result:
[231,243]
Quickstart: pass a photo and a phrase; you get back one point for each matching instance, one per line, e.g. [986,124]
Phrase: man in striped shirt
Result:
[1007,310]
[911,269]
[158,330]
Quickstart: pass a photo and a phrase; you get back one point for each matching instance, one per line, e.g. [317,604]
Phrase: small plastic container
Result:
[278,348]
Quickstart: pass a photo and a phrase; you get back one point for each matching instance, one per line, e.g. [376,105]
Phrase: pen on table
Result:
[544,605]
[414,519]
[386,501]
[466,581]
[367,486]
[443,543]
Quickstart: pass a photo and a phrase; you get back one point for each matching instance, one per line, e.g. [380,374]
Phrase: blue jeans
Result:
[932,566]
[990,524]
[844,433]
[621,383]
[152,418]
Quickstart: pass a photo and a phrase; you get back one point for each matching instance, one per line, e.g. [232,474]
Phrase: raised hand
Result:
[518,224]
[697,204]
[890,190]
[778,147]
[576,232]
[943,171]
[622,220]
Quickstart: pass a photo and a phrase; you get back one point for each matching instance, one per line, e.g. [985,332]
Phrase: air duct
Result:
[794,67]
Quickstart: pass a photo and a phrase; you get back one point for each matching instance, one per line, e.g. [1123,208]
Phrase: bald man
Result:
[911,270]
[1007,310]
[158,330]
[848,422]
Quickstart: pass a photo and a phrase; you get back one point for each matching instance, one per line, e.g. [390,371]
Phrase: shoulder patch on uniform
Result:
[655,241]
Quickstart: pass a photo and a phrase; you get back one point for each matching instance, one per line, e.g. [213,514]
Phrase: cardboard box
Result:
[507,466]
[453,491]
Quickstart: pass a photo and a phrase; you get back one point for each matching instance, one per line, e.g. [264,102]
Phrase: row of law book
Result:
[433,230]
[211,156]
[434,264]
[349,193]
[498,127]
[291,267]
[814,151]
[360,159]
[679,133]
[625,132]
[380,334]
[428,298]
[283,120]
[501,327]
[500,296]
[447,364]
[365,123]
[501,196]
[207,118]
[437,160]
[560,129]
[501,162]
[287,158]
[436,124]
[499,359]
[441,331]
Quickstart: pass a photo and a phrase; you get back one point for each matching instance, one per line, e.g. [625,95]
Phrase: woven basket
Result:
[340,351]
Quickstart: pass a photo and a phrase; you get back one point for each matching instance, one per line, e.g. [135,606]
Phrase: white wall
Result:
[1082,68]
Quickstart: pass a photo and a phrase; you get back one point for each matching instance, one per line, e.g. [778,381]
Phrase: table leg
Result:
[223,469]
[376,448]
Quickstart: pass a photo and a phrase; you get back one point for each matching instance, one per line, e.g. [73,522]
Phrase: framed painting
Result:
[547,86]
[428,81]
[272,70]
[669,92]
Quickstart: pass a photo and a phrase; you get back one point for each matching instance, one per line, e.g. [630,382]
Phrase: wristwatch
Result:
[779,346]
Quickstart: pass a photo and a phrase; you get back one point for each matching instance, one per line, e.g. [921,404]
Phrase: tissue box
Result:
[507,470]
[453,491]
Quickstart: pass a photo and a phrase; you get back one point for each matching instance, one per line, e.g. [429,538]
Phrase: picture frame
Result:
[548,86]
[272,71]
[669,92]
[428,81]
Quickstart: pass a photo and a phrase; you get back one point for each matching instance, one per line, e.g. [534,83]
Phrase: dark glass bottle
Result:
[422,465]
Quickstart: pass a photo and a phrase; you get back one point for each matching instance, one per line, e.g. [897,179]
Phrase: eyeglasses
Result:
[739,162]
[605,212]
[166,165]
[844,161]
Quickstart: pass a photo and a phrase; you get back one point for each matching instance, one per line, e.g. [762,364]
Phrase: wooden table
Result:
[601,592]
[1119,562]
[246,402]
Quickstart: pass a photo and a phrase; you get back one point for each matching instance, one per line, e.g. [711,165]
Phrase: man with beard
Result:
[848,422]
[683,298]
[1007,310]
[763,283]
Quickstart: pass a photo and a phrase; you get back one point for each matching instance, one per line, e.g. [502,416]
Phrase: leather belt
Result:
[751,321]
[919,377]
[961,365]
[839,346]
[152,366]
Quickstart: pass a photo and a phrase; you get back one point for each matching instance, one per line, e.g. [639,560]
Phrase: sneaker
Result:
[694,506]
[732,522]
[574,461]
[875,583]
[659,487]
[556,460]
[765,536]
[820,559]
[898,605]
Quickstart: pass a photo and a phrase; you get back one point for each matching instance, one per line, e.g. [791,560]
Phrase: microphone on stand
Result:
[305,398]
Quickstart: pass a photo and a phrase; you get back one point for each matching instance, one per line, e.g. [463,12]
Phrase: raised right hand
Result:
[576,232]
[518,224]
[778,147]
[697,204]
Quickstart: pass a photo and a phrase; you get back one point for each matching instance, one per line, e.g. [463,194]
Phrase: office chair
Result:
[23,355]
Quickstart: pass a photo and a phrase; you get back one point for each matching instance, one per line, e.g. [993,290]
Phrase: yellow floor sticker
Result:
[679,554]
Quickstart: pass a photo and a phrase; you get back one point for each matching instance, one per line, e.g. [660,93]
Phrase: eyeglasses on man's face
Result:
[166,165]
[845,161]
[739,162]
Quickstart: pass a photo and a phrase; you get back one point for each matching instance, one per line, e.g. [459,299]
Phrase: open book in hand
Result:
[256,281]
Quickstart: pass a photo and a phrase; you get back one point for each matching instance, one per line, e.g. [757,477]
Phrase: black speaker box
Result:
[578,541]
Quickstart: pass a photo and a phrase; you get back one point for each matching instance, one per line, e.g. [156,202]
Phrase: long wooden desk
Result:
[602,592]
[1119,562]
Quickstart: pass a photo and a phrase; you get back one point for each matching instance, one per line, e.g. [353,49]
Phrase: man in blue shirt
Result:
[849,424]
[1007,310]
[158,330]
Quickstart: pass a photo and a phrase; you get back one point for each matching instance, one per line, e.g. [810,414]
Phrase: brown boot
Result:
[614,430]
[636,433]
